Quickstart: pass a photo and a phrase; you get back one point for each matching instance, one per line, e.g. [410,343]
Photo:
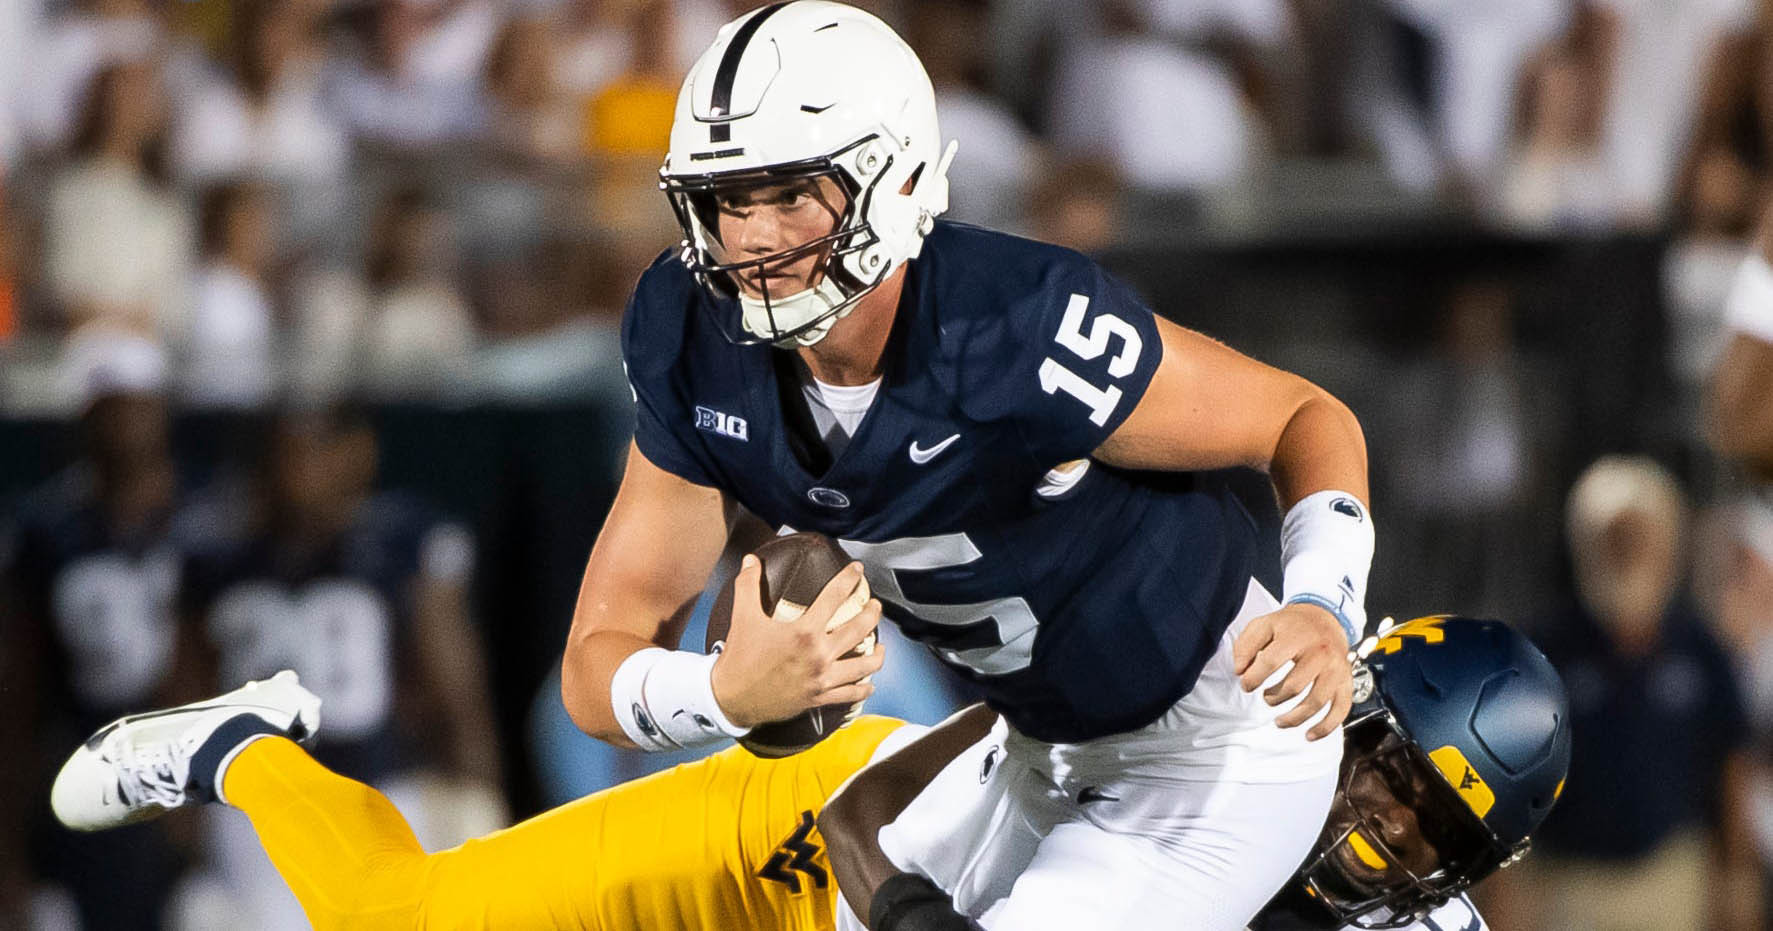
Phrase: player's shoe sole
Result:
[139,766]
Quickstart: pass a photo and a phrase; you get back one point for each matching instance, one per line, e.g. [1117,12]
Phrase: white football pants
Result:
[1193,822]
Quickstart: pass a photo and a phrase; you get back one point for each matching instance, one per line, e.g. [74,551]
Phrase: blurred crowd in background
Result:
[236,234]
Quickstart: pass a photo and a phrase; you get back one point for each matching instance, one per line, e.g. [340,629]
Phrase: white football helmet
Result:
[802,89]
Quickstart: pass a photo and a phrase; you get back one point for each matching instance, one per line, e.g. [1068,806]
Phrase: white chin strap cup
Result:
[793,312]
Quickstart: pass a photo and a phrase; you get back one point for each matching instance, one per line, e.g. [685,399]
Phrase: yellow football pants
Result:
[353,862]
[724,842]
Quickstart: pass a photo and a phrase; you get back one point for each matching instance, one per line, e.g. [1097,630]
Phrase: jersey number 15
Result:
[1055,377]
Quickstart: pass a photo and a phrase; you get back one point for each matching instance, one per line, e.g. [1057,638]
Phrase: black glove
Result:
[909,902]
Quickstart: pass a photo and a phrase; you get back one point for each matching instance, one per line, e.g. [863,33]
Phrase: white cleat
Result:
[139,766]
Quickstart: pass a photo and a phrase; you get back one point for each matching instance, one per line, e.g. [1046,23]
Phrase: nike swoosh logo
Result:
[1093,794]
[921,456]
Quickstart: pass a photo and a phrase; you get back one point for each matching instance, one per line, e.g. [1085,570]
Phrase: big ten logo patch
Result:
[725,425]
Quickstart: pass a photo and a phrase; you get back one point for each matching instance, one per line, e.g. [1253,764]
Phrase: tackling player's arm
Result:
[652,558]
[1208,407]
[852,819]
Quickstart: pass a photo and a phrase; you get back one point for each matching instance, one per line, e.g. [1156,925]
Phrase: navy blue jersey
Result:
[106,599]
[1083,606]
[339,616]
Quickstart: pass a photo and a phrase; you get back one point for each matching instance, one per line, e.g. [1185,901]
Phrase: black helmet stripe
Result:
[721,103]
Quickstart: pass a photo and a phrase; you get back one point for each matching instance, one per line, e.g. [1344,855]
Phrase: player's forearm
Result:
[1321,448]
[585,675]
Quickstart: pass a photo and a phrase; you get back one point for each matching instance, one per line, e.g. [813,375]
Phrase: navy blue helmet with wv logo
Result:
[1470,724]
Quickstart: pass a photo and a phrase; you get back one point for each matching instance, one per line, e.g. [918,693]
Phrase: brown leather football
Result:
[795,569]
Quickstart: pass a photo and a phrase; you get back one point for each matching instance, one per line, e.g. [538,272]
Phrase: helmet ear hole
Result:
[910,184]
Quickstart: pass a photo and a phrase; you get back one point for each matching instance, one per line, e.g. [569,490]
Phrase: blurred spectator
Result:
[262,115]
[531,121]
[69,51]
[1659,56]
[1155,91]
[629,115]
[1739,422]
[1467,475]
[230,353]
[398,330]
[18,31]
[598,43]
[1652,830]
[87,610]
[1437,91]
[364,595]
[1745,615]
[1078,205]
[414,85]
[418,338]
[1701,266]
[552,326]
[1557,181]
[402,330]
[452,38]
[997,160]
[118,239]
[627,128]
[328,309]
[1739,418]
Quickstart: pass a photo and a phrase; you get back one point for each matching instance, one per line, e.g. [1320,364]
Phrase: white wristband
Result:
[664,700]
[1326,553]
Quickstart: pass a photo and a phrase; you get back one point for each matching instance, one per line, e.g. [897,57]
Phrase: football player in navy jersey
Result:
[1003,437]
[88,582]
[363,594]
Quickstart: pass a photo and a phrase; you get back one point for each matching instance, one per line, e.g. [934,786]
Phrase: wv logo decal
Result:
[794,857]
[1426,628]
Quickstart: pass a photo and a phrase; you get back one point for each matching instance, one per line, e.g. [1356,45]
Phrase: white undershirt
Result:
[837,409]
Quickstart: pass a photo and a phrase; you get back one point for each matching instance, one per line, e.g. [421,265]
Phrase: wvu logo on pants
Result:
[794,857]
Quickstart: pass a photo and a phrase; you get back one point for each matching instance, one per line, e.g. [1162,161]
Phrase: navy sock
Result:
[201,783]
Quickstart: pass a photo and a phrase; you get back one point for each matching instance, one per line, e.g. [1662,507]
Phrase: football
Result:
[795,569]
